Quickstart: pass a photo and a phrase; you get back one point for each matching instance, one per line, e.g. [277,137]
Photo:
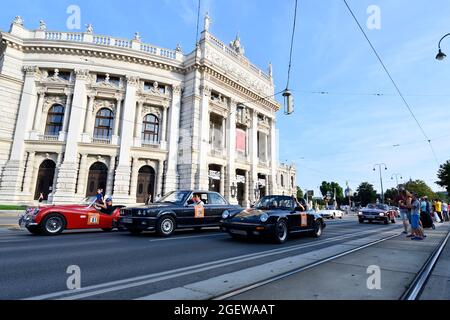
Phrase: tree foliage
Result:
[366,194]
[331,187]
[390,196]
[300,194]
[421,188]
[444,176]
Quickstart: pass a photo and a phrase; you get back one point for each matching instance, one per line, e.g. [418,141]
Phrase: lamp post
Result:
[379,165]
[396,175]
[441,56]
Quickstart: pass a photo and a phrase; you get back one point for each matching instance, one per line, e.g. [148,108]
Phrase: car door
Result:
[193,215]
[216,206]
[300,220]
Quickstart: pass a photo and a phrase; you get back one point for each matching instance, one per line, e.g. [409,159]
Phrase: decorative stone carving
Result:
[178,48]
[18,20]
[82,74]
[101,104]
[50,101]
[270,70]
[42,25]
[208,22]
[206,90]
[89,28]
[132,80]
[237,46]
[137,36]
[146,109]
[31,70]
[177,89]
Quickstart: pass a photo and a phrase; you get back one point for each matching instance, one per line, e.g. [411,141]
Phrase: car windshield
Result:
[377,206]
[275,202]
[176,197]
[88,201]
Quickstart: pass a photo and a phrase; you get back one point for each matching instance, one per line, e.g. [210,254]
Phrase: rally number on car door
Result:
[304,219]
[199,212]
[93,219]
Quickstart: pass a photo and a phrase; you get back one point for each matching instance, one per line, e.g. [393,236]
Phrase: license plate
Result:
[238,232]
[126,220]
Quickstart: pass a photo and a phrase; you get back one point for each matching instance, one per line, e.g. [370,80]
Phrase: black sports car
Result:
[274,216]
[176,211]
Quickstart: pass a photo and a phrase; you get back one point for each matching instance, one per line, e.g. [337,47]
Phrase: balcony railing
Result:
[100,140]
[150,144]
[47,137]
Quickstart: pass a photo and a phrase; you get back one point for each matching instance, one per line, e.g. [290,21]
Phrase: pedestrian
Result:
[445,211]
[438,208]
[425,213]
[404,200]
[416,228]
[99,199]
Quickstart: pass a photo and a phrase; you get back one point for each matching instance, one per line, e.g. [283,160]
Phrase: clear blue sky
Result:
[334,137]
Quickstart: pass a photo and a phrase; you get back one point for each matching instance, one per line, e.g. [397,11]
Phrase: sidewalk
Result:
[399,260]
[9,218]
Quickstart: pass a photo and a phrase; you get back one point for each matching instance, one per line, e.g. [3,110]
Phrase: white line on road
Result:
[147,279]
[191,237]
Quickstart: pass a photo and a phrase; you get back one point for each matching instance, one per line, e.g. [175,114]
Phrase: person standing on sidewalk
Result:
[416,228]
[403,200]
[445,211]
[438,208]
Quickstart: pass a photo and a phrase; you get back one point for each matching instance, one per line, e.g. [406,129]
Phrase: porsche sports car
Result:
[275,217]
[176,210]
[377,212]
[53,219]
[332,214]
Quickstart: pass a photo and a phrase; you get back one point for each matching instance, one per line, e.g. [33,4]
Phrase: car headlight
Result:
[36,211]
[381,214]
[225,215]
[360,213]
[264,217]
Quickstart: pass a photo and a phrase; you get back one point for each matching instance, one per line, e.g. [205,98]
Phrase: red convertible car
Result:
[53,219]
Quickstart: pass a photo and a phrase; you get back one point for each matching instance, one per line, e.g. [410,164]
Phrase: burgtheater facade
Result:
[80,111]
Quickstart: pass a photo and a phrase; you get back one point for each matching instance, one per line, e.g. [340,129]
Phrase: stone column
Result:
[58,164]
[87,131]
[174,135]
[123,171]
[28,182]
[273,156]
[138,125]
[231,151]
[67,110]
[134,178]
[117,116]
[222,180]
[109,181]
[202,174]
[160,173]
[83,175]
[38,115]
[164,126]
[246,202]
[254,155]
[11,181]
[67,175]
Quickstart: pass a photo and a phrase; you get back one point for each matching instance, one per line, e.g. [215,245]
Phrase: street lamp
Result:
[441,56]
[396,175]
[381,177]
[233,190]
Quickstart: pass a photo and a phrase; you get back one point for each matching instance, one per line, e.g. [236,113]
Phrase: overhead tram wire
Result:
[393,82]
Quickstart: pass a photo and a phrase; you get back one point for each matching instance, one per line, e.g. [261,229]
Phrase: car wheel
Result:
[370,221]
[53,224]
[198,229]
[386,221]
[361,220]
[318,228]
[165,226]
[107,229]
[393,220]
[34,230]
[281,231]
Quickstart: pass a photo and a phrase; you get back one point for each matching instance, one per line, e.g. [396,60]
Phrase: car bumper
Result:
[247,229]
[138,223]
[373,218]
[27,221]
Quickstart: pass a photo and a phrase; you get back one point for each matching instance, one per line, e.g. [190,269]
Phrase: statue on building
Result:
[178,48]
[89,28]
[18,20]
[237,46]
[56,74]
[208,22]
[42,25]
[137,36]
[270,70]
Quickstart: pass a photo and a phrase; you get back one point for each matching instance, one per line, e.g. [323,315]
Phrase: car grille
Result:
[126,212]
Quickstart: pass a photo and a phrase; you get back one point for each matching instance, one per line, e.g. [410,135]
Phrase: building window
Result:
[150,129]
[104,124]
[282,181]
[292,182]
[55,120]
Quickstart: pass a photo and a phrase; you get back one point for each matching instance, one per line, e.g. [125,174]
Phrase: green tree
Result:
[390,195]
[300,194]
[444,176]
[366,194]
[420,187]
[332,187]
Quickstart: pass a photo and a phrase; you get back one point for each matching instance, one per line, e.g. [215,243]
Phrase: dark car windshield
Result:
[275,202]
[176,197]
[378,206]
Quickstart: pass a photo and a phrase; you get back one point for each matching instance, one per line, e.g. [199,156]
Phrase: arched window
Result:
[55,120]
[150,129]
[104,124]
[282,180]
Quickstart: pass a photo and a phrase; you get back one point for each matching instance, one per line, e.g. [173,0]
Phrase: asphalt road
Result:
[120,266]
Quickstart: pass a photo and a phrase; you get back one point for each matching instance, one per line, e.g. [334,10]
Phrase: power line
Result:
[393,82]
[377,94]
[292,45]
[198,23]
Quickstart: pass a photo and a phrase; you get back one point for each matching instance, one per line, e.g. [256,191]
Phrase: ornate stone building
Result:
[81,111]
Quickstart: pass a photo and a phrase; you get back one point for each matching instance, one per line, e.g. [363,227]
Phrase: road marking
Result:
[190,237]
[161,276]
